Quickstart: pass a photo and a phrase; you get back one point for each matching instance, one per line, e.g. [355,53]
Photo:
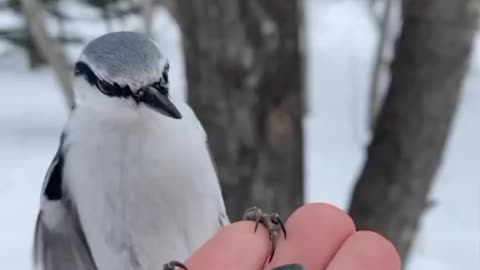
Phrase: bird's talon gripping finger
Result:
[272,222]
[173,264]
[273,239]
[278,221]
[258,218]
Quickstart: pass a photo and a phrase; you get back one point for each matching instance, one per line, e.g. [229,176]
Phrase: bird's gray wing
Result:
[59,241]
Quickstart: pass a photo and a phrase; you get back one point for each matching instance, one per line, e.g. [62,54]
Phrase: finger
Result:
[314,234]
[235,247]
[366,250]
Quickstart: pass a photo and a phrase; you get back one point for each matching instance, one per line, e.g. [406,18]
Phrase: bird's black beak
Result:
[158,100]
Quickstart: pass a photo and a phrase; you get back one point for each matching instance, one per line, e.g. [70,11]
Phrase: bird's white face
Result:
[124,69]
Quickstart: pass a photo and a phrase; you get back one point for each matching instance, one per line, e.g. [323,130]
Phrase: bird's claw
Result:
[272,222]
[173,264]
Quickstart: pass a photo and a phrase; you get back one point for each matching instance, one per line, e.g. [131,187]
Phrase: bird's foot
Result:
[272,222]
[174,264]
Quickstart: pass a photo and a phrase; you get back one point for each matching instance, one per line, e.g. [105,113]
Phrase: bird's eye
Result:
[161,88]
[165,72]
[165,76]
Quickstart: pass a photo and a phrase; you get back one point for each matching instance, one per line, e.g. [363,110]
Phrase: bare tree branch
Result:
[48,47]
[147,10]
[374,100]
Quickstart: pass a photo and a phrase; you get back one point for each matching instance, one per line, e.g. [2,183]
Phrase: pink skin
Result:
[320,237]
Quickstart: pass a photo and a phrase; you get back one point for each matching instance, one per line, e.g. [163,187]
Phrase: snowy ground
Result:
[340,47]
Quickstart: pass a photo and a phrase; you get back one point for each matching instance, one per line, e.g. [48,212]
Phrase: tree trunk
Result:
[48,47]
[244,65]
[432,57]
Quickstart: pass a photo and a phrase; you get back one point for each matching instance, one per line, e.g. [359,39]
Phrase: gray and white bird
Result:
[132,185]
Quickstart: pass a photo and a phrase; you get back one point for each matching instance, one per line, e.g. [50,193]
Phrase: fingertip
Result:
[318,212]
[235,246]
[315,232]
[366,250]
[385,248]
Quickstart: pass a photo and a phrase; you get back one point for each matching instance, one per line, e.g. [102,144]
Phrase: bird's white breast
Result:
[144,185]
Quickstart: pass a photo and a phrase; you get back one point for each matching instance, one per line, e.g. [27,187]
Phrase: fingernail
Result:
[293,266]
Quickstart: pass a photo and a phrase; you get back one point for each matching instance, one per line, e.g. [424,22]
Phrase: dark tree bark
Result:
[244,65]
[432,57]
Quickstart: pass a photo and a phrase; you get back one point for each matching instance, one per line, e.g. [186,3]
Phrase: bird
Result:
[133,184]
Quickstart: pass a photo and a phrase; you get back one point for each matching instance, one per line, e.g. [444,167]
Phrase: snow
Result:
[340,47]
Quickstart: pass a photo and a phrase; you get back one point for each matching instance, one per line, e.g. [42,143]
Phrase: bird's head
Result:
[124,65]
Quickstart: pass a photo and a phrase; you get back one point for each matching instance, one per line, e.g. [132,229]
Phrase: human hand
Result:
[319,237]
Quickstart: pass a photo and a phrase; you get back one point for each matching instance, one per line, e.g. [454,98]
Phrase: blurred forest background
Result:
[371,105]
